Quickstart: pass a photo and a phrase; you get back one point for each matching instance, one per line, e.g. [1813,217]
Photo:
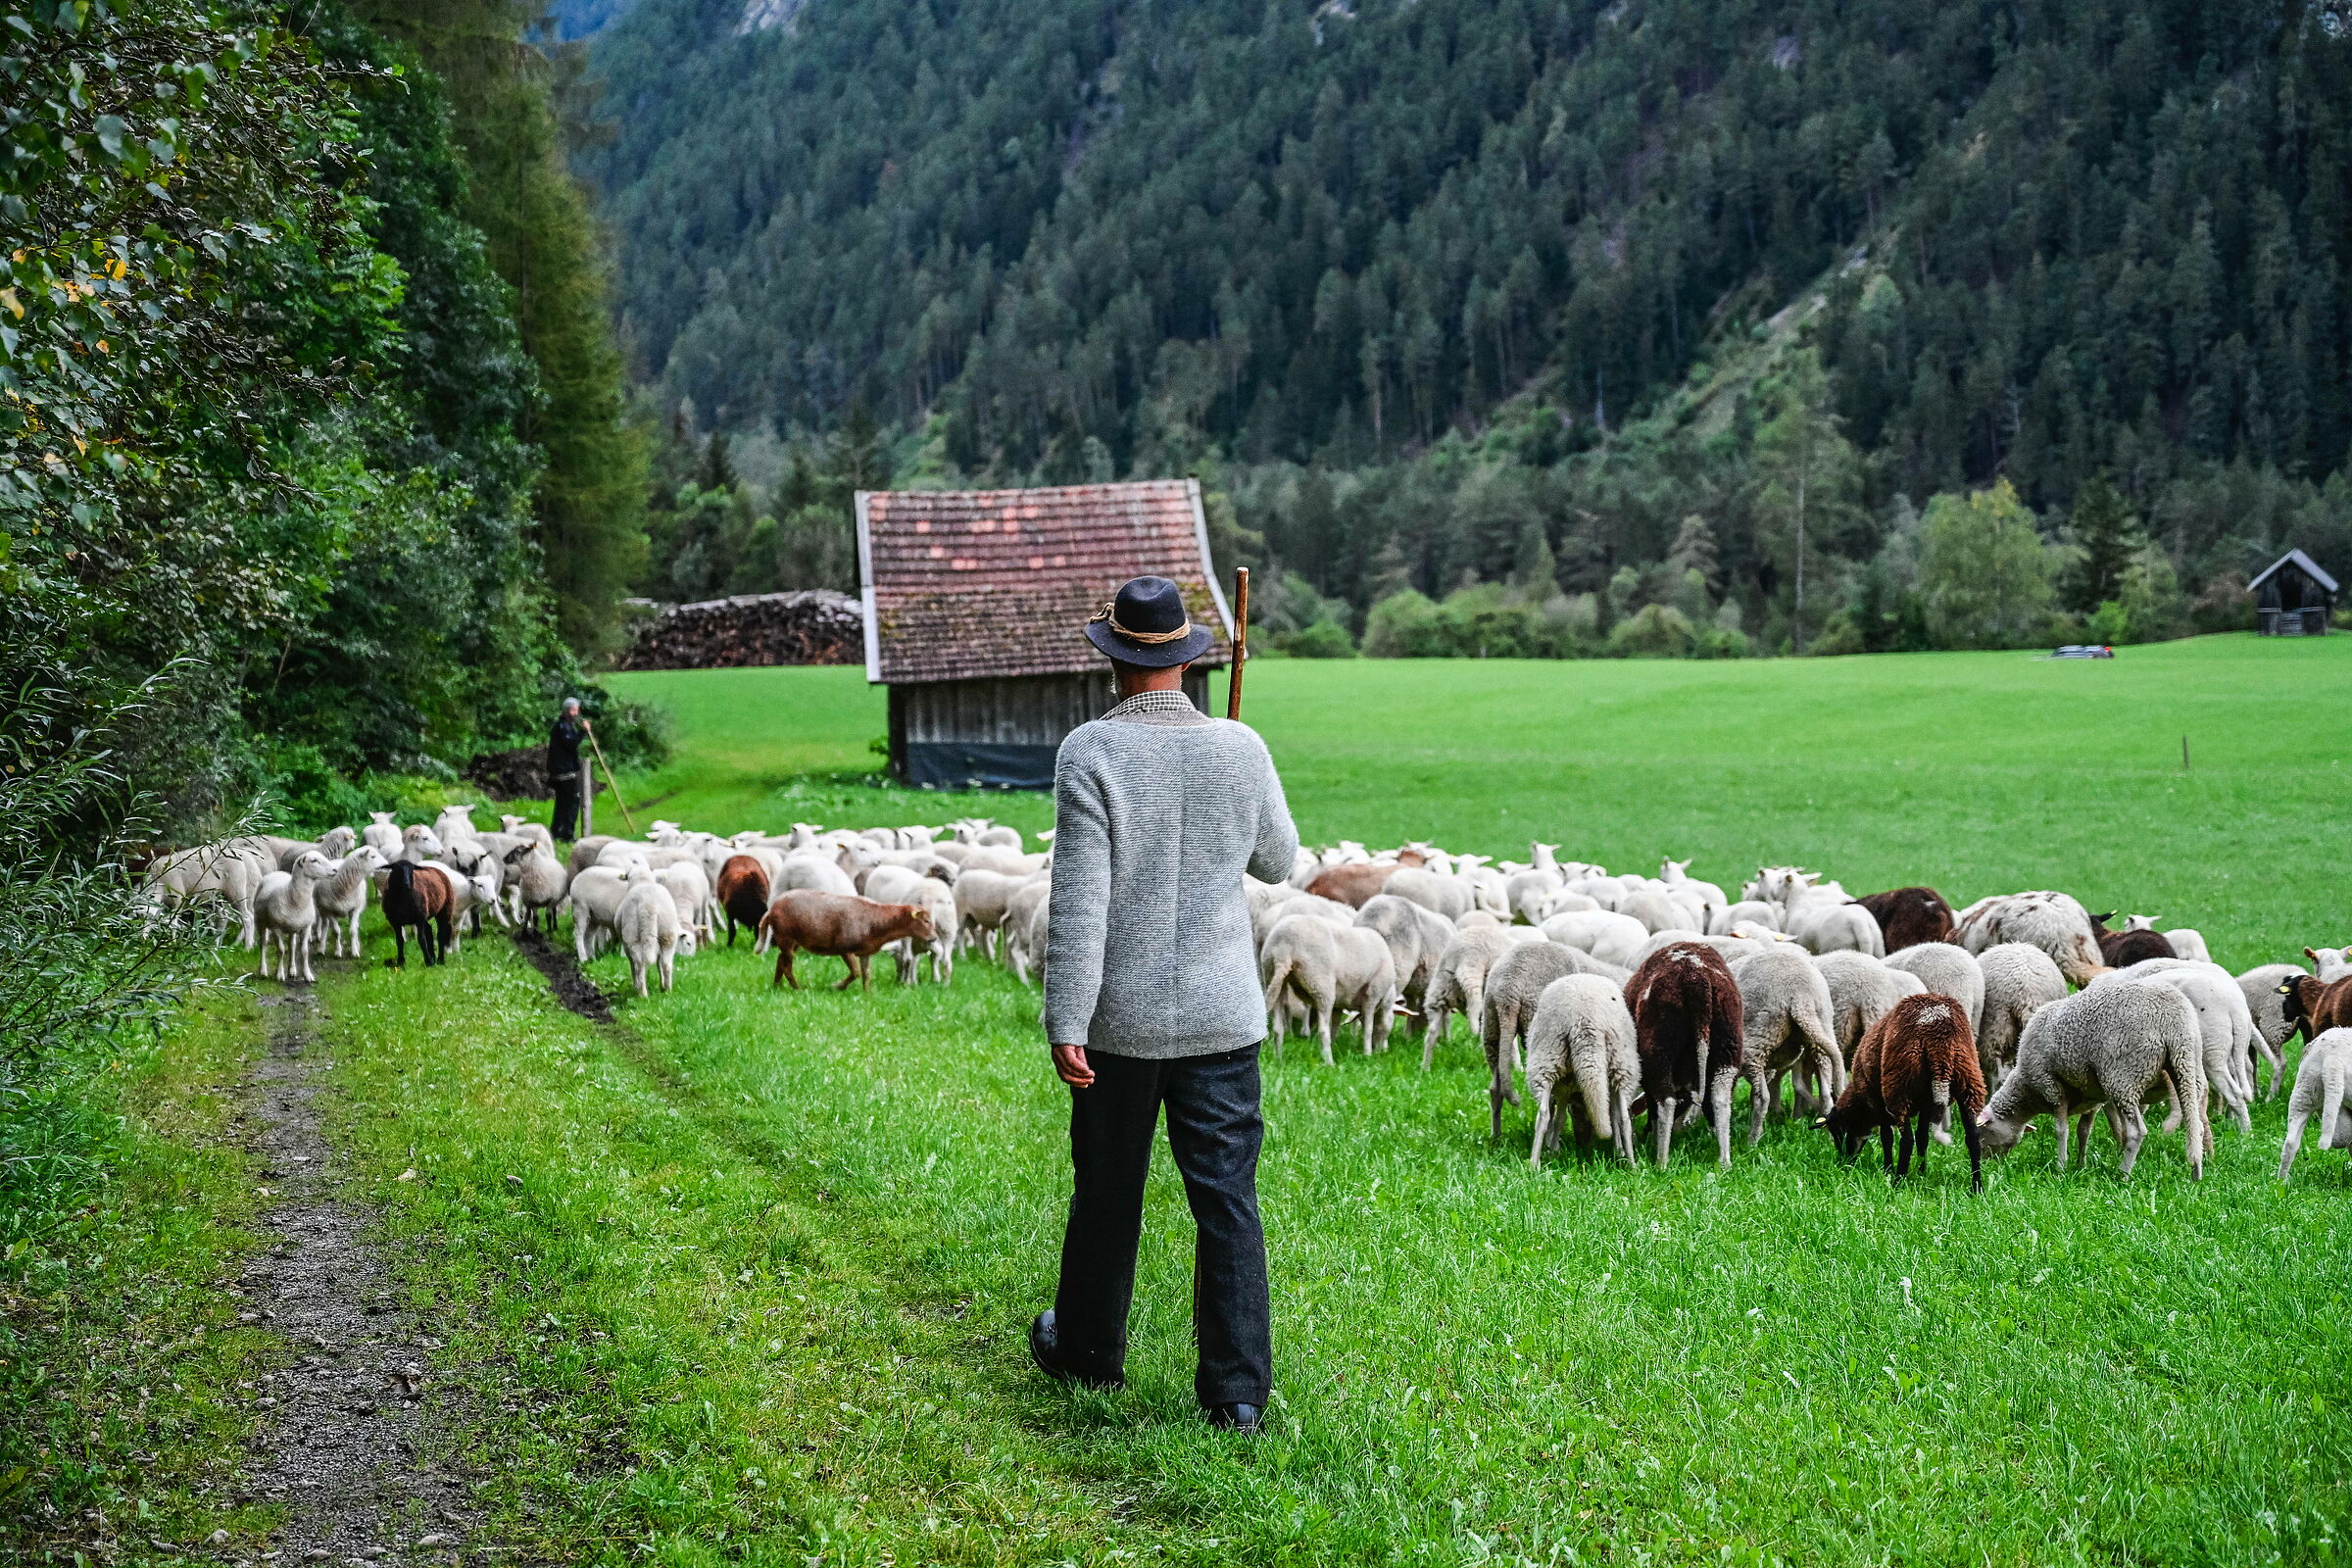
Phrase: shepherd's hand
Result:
[1070,1062]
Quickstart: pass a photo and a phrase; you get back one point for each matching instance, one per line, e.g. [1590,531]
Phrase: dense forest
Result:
[314,484]
[1554,305]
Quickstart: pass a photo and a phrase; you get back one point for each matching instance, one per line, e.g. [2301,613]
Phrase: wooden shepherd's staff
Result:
[1241,641]
[610,778]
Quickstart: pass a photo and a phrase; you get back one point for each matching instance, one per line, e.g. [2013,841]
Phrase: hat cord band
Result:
[1110,612]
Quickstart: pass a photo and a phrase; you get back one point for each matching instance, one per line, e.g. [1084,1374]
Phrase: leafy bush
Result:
[1655,631]
[1325,639]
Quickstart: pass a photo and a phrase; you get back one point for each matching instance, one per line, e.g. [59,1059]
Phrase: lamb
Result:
[1835,927]
[2267,1007]
[2330,963]
[1948,972]
[1514,987]
[595,895]
[1919,1059]
[690,890]
[1583,1039]
[2315,1005]
[742,893]
[1328,968]
[216,870]
[2119,950]
[1688,1030]
[523,827]
[1458,983]
[897,884]
[539,880]
[1416,939]
[2321,1084]
[417,895]
[2019,980]
[2108,1044]
[1609,937]
[342,898]
[1862,991]
[455,823]
[842,925]
[1448,897]
[2051,921]
[382,835]
[1024,943]
[2185,942]
[648,923]
[420,844]
[1709,897]
[1747,911]
[1909,917]
[815,873]
[1785,1012]
[587,850]
[1351,884]
[982,898]
[284,909]
[2215,1000]
[1527,892]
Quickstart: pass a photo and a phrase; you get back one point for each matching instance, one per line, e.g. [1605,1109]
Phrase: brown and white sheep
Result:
[1917,1062]
[1687,1029]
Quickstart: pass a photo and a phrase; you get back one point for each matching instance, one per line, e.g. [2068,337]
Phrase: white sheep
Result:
[2330,963]
[1024,945]
[222,871]
[2111,1045]
[2221,1031]
[454,823]
[650,930]
[382,835]
[898,884]
[1948,972]
[1514,985]
[690,891]
[1608,936]
[2267,1007]
[1675,875]
[818,872]
[1658,910]
[1582,1039]
[538,879]
[2322,1083]
[1457,985]
[342,898]
[1785,1026]
[2185,942]
[1328,968]
[1416,939]
[2020,979]
[284,909]
[2051,921]
[420,844]
[1824,927]
[1749,911]
[982,898]
[595,895]
[523,827]
[1862,991]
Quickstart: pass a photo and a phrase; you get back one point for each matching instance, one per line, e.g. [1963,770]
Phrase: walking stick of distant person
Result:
[1241,641]
[610,778]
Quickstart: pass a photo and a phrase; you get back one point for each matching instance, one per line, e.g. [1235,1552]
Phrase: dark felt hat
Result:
[1147,624]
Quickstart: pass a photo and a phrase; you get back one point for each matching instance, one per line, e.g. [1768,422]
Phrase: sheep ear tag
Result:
[1821,1121]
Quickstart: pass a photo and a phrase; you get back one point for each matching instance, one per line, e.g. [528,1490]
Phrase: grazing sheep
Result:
[1608,936]
[417,895]
[2222,1028]
[838,925]
[2330,963]
[210,870]
[1784,1012]
[2109,1045]
[1675,875]
[2266,1005]
[523,827]
[1352,885]
[1862,991]
[1919,1059]
[2052,922]
[982,899]
[1416,937]
[1948,972]
[742,893]
[539,880]
[1527,893]
[1688,1030]
[342,898]
[1582,1040]
[1326,968]
[2119,950]
[2020,979]
[454,823]
[382,835]
[1567,902]
[691,890]
[2185,942]
[1659,911]
[1835,928]
[1265,917]
[284,909]
[2321,1082]
[648,923]
[1458,983]
[1747,911]
[1024,942]
[1514,985]
[1448,897]
[595,895]
[1908,916]
[587,851]
[2314,1005]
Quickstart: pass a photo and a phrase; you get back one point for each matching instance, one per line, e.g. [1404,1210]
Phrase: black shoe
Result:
[1246,1419]
[1046,1350]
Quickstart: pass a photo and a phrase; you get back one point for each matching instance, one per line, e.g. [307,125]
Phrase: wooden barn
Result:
[2293,598]
[975,603]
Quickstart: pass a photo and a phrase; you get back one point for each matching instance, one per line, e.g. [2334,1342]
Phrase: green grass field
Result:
[746,1278]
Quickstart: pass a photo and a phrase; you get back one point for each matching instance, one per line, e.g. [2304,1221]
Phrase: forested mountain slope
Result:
[2032,240]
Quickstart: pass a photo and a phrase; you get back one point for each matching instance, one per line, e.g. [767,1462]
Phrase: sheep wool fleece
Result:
[1157,810]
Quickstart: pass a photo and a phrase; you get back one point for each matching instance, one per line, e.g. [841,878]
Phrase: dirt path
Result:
[351,1412]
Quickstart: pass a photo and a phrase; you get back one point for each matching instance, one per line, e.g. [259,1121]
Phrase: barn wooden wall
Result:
[1002,732]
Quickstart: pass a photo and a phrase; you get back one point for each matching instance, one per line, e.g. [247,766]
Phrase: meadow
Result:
[745,1277]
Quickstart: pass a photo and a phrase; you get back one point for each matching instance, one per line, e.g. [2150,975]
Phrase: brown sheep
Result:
[742,892]
[1352,885]
[2315,1005]
[1908,916]
[1912,1064]
[1687,1030]
[417,896]
[2119,950]
[840,925]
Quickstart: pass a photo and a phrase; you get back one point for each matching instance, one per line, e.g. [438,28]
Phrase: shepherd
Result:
[1153,1000]
[564,767]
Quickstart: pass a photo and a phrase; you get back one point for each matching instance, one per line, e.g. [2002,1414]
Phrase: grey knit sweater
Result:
[1157,810]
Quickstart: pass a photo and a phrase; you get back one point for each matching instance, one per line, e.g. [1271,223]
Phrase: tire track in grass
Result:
[348,1415]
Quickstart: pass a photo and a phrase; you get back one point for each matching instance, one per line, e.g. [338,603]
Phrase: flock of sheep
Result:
[1613,995]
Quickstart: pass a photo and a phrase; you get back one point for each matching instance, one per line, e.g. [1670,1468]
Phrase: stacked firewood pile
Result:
[816,626]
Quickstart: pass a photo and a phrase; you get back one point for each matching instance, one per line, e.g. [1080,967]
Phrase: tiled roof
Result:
[966,584]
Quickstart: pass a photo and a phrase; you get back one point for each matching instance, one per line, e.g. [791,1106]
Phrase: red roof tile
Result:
[966,584]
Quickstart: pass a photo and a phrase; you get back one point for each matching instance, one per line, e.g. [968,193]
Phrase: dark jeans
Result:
[1214,1131]
[567,807]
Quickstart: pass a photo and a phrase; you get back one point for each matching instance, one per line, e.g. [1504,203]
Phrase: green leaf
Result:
[110,130]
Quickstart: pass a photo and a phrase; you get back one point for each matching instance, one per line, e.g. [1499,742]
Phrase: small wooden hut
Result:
[2293,598]
[974,602]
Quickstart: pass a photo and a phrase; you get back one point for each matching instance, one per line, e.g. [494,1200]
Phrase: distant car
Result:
[2084,650]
